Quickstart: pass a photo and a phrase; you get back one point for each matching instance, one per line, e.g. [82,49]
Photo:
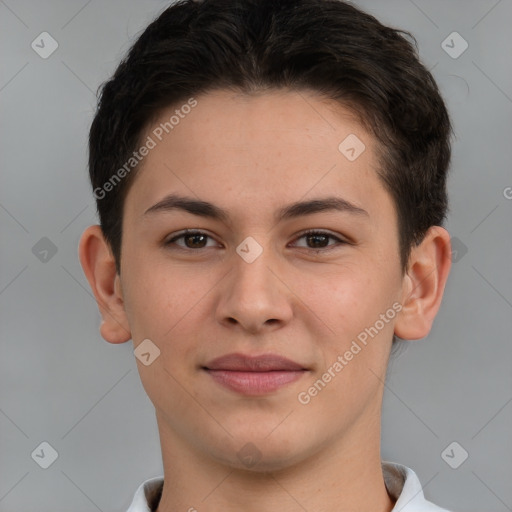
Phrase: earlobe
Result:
[423,285]
[99,267]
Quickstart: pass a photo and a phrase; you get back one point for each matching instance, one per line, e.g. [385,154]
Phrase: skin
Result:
[252,155]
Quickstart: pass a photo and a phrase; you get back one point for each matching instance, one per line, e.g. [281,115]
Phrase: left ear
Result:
[423,284]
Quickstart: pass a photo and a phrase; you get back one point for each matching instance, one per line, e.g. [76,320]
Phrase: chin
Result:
[260,455]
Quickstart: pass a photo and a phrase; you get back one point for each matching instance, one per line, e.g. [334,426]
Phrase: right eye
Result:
[192,237]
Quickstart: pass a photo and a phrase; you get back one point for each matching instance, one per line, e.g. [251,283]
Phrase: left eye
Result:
[319,237]
[196,239]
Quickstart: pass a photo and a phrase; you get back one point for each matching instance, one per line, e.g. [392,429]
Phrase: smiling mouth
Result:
[254,375]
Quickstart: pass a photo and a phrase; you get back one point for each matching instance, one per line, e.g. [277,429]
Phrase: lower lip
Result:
[255,383]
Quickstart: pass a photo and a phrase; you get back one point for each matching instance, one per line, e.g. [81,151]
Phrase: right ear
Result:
[98,264]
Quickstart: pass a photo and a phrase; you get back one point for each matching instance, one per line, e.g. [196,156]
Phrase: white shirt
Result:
[401,482]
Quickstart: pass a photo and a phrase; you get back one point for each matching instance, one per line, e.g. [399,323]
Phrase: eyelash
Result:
[308,232]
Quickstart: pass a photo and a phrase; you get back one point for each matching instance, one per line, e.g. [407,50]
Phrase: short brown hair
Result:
[328,46]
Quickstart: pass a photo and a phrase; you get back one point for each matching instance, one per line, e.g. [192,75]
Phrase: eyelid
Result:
[319,231]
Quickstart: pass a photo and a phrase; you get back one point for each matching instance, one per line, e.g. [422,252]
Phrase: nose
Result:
[254,296]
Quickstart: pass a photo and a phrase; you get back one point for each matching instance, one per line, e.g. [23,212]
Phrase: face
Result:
[249,281]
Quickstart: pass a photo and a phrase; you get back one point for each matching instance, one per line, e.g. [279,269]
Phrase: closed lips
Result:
[244,363]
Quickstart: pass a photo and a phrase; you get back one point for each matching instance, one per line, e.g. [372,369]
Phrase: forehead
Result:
[268,148]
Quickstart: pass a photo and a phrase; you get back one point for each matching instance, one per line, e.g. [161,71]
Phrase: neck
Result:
[335,478]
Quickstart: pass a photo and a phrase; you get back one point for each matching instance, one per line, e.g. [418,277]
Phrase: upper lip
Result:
[263,363]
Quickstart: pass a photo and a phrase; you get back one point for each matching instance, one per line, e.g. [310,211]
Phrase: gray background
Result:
[60,382]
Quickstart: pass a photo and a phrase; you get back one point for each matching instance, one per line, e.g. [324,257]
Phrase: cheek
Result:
[356,346]
[342,298]
[170,305]
[348,304]
[155,299]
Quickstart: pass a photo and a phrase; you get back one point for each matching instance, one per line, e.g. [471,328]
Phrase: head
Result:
[252,106]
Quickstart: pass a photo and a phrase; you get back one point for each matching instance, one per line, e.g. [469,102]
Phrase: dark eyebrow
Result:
[298,209]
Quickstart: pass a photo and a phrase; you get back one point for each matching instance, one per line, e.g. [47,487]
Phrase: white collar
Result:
[401,482]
